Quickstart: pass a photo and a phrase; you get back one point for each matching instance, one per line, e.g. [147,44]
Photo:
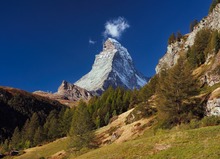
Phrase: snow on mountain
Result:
[112,67]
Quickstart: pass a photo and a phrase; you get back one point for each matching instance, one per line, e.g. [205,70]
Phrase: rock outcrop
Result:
[72,92]
[174,50]
[112,67]
[67,94]
[213,104]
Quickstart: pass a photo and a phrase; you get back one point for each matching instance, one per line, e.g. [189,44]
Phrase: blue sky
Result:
[43,42]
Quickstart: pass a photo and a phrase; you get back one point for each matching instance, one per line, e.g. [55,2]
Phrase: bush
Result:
[142,110]
[210,121]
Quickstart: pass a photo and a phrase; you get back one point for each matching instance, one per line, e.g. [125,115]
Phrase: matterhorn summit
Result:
[112,67]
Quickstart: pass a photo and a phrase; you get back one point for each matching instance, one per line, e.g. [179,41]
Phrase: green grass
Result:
[163,144]
[178,144]
[46,150]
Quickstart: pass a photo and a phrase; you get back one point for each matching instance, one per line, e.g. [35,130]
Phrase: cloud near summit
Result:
[116,27]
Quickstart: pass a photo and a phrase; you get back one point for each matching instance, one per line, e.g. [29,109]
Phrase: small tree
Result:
[192,25]
[172,39]
[179,36]
[201,42]
[81,128]
[16,138]
[38,136]
[107,116]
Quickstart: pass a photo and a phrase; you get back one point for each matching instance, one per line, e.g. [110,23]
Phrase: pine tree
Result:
[201,42]
[81,127]
[5,146]
[66,121]
[149,89]
[52,126]
[215,40]
[97,122]
[16,138]
[107,116]
[191,57]
[175,93]
[172,39]
[33,125]
[192,25]
[179,36]
[38,136]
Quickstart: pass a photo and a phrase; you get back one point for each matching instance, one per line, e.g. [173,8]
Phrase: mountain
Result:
[72,92]
[16,106]
[67,94]
[208,72]
[112,67]
[175,49]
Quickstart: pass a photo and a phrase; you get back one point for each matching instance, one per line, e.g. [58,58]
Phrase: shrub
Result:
[142,110]
[210,121]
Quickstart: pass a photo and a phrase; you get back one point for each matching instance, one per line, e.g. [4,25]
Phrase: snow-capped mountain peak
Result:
[112,67]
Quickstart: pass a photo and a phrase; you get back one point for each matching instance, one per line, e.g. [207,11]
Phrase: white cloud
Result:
[116,27]
[92,42]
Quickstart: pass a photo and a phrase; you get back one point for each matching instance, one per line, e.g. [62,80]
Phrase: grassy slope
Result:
[196,144]
[45,150]
[176,144]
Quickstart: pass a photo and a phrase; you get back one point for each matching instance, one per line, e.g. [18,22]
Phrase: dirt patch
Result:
[118,131]
[58,155]
[160,147]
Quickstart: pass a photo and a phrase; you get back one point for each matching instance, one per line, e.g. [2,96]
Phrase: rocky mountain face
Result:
[173,50]
[112,67]
[72,92]
[67,94]
[209,72]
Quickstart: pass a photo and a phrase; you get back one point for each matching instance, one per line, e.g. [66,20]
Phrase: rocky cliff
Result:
[72,92]
[212,21]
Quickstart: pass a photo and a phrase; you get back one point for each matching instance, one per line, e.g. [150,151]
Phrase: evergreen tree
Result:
[33,125]
[179,36]
[5,146]
[52,126]
[38,136]
[172,39]
[66,121]
[191,57]
[201,42]
[97,122]
[149,89]
[175,93]
[81,128]
[107,116]
[192,25]
[16,138]
[215,41]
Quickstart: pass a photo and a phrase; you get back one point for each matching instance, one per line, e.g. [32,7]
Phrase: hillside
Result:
[178,142]
[115,132]
[197,143]
[16,106]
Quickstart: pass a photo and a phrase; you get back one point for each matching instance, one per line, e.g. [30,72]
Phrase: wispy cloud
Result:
[92,42]
[116,27]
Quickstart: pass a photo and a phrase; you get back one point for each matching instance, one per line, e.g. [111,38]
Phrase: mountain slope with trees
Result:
[16,106]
